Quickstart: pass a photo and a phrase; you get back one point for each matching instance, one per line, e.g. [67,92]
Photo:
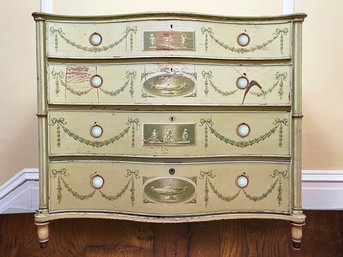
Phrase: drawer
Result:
[170,189]
[169,37]
[169,134]
[169,84]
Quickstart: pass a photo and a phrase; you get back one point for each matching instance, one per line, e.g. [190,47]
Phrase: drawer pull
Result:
[242,82]
[96,130]
[95,39]
[242,181]
[243,130]
[97,181]
[243,39]
[96,81]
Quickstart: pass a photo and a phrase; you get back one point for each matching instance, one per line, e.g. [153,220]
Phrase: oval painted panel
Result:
[169,85]
[169,190]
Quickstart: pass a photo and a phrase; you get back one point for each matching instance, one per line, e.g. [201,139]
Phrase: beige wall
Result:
[323,63]
[221,7]
[323,89]
[18,137]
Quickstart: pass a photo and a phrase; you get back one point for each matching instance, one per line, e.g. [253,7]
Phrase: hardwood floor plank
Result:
[231,238]
[170,240]
[204,239]
[117,252]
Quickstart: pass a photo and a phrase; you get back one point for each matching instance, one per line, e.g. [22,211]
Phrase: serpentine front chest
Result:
[169,117]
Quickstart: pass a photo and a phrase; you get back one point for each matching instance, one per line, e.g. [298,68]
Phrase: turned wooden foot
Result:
[43,233]
[297,233]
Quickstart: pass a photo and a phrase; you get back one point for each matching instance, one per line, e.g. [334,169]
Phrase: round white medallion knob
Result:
[243,130]
[242,82]
[96,130]
[95,39]
[96,81]
[243,39]
[97,181]
[242,181]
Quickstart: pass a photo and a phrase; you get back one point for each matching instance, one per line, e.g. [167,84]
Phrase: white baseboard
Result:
[46,6]
[20,193]
[322,190]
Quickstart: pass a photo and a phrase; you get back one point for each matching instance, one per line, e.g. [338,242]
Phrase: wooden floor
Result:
[235,238]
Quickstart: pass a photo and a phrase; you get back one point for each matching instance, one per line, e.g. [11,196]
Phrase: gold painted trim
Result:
[183,15]
[296,129]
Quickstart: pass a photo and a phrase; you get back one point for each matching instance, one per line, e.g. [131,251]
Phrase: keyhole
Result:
[171,26]
[171,171]
[172,118]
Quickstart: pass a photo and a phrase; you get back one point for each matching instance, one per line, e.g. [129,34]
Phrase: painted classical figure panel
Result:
[191,38]
[169,134]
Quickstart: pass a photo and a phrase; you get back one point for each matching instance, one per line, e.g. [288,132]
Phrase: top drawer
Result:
[169,37]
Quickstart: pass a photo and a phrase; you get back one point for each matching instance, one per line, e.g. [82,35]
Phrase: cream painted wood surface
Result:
[169,83]
[170,37]
[93,133]
[148,188]
[169,134]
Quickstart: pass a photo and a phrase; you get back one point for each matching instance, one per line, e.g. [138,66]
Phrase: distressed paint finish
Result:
[169,84]
[73,137]
[150,104]
[261,178]
[171,38]
[169,134]
[169,190]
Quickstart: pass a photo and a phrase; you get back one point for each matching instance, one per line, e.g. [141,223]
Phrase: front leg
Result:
[297,233]
[43,233]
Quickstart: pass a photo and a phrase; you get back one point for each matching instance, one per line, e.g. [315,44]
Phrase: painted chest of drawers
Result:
[169,117]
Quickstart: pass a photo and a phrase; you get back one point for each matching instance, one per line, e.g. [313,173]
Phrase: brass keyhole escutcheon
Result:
[171,171]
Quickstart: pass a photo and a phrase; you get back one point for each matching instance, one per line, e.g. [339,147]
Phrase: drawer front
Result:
[170,189]
[156,38]
[169,84]
[169,134]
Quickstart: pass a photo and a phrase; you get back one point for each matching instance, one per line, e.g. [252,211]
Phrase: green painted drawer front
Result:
[170,189]
[169,84]
[169,134]
[160,38]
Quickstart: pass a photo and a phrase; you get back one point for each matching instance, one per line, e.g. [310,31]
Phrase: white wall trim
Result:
[321,189]
[20,193]
[288,6]
[46,6]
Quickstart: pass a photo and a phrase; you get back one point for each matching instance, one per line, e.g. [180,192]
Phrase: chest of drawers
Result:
[169,117]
